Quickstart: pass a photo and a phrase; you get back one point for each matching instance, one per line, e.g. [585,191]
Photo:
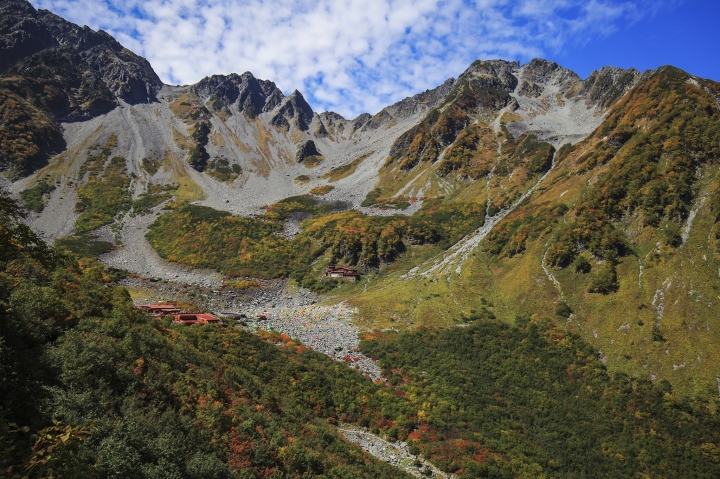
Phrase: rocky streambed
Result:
[395,453]
[269,294]
[272,306]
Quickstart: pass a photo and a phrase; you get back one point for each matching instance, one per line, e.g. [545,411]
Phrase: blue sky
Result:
[686,35]
[353,56]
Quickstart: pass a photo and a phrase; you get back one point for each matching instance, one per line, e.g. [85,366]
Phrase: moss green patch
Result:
[155,195]
[34,197]
[322,190]
[371,197]
[221,169]
[151,165]
[101,199]
[84,245]
[344,171]
[312,161]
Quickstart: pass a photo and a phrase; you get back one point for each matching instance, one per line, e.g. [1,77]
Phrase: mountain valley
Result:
[537,255]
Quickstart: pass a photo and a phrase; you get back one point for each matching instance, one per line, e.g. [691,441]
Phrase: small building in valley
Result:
[195,318]
[341,272]
[158,310]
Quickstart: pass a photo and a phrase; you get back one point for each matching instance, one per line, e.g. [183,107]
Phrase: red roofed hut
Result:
[341,272]
[195,318]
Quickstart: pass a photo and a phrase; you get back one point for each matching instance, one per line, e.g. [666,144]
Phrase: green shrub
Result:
[671,235]
[581,265]
[104,197]
[604,280]
[563,309]
[34,196]
[155,195]
[84,245]
[657,334]
[151,165]
[371,197]
[221,169]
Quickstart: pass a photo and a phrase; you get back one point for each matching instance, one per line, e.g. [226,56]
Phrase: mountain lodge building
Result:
[341,272]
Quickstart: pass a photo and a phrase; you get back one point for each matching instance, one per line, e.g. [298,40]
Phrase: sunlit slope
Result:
[635,204]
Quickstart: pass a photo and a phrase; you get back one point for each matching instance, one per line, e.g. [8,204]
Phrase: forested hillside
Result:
[93,388]
[529,401]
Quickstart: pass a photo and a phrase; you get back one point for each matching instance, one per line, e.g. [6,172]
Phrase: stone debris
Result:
[326,329]
[395,453]
[270,294]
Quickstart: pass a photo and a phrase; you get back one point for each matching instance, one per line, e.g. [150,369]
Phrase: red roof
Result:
[341,270]
[192,318]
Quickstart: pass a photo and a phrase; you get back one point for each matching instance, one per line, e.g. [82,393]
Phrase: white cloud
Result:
[348,56]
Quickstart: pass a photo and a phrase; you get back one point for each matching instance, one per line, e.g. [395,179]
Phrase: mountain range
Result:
[514,193]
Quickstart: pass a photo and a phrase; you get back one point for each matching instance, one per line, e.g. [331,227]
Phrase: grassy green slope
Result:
[619,200]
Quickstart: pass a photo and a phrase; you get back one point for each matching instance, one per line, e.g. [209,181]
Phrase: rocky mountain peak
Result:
[294,110]
[129,76]
[501,71]
[539,70]
[425,100]
[21,32]
[26,33]
[247,93]
[74,36]
[544,72]
[603,87]
[331,116]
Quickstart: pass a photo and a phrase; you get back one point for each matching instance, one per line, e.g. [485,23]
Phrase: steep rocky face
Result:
[247,93]
[543,72]
[307,150]
[53,71]
[21,33]
[530,90]
[422,101]
[129,76]
[294,111]
[360,120]
[500,72]
[482,89]
[603,87]
[378,120]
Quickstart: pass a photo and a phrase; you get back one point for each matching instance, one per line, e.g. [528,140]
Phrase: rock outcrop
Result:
[249,94]
[307,150]
[294,111]
[127,75]
[21,33]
